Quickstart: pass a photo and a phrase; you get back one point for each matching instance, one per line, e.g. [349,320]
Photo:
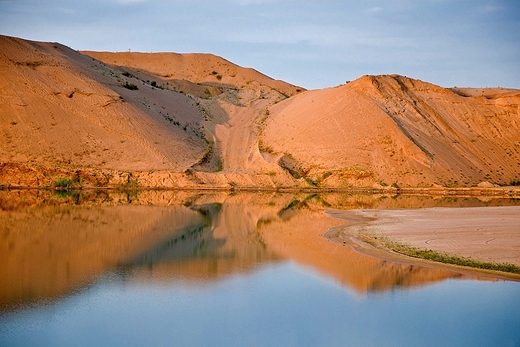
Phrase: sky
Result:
[313,44]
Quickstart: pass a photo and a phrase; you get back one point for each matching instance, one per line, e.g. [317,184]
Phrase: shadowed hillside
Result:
[80,119]
[64,109]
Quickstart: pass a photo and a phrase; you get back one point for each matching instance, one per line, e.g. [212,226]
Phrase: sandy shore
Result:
[487,234]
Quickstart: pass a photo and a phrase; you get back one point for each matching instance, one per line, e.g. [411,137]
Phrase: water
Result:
[185,269]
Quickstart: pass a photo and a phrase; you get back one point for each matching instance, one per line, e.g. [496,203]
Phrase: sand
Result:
[198,120]
[487,234]
[398,130]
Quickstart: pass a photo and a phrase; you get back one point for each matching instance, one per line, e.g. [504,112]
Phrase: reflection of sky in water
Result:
[276,305]
[228,270]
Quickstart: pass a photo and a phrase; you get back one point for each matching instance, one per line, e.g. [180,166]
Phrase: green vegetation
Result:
[62,183]
[131,184]
[130,86]
[155,85]
[265,148]
[67,194]
[311,182]
[216,74]
[326,174]
[429,254]
[322,178]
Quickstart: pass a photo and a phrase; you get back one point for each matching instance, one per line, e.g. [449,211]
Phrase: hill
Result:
[394,129]
[101,119]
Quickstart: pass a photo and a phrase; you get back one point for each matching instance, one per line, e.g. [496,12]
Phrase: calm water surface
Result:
[186,269]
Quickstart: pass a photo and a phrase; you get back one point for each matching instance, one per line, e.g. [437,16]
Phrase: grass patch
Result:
[323,177]
[155,85]
[311,182]
[62,183]
[130,86]
[432,255]
[131,183]
[265,148]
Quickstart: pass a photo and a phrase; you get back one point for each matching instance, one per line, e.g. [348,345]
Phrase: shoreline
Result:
[482,234]
[510,191]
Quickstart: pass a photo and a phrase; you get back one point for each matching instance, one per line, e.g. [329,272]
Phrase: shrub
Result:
[130,86]
[62,182]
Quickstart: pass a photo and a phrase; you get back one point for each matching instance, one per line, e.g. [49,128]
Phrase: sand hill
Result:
[197,120]
[394,129]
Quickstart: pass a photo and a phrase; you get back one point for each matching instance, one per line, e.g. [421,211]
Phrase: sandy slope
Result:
[60,107]
[396,129]
[234,101]
[193,71]
[198,120]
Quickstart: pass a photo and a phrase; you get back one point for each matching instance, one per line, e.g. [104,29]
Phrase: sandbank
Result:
[485,234]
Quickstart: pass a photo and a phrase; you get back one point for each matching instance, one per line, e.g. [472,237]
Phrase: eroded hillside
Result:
[99,119]
[397,130]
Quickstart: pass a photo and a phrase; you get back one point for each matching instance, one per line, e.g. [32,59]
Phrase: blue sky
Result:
[314,44]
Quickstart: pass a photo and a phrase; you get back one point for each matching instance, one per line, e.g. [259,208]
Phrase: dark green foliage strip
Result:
[429,254]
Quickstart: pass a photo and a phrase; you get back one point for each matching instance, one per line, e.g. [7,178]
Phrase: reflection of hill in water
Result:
[55,244]
[226,243]
[303,242]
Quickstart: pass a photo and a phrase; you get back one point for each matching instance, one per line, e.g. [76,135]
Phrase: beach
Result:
[484,234]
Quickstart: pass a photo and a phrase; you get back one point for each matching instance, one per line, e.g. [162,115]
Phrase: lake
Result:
[190,268]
